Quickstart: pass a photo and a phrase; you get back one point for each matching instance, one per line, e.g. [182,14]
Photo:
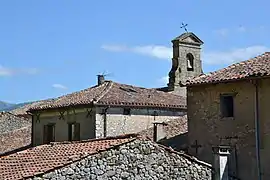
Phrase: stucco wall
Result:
[94,127]
[135,160]
[264,112]
[87,125]
[138,120]
[207,126]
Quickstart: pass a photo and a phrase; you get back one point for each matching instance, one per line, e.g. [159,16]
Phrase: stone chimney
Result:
[221,155]
[101,79]
[159,131]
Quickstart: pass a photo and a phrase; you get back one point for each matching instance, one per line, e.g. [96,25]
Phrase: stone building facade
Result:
[123,157]
[230,107]
[108,109]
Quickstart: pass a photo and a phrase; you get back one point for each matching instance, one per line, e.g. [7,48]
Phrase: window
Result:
[49,131]
[74,132]
[190,62]
[126,111]
[226,105]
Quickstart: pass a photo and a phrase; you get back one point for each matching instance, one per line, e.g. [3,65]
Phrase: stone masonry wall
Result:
[237,132]
[140,159]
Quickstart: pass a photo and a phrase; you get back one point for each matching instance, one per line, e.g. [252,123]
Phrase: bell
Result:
[189,64]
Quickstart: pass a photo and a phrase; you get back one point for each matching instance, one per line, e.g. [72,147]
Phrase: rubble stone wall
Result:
[139,159]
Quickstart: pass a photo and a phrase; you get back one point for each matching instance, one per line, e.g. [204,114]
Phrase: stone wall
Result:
[140,159]
[238,132]
[139,119]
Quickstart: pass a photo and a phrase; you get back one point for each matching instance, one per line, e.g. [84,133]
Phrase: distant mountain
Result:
[5,105]
[9,107]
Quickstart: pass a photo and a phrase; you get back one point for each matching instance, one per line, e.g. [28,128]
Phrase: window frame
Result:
[227,113]
[74,135]
[46,138]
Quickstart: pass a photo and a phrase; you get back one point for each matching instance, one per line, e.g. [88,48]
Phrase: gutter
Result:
[257,128]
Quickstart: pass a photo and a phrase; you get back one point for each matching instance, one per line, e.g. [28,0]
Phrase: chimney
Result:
[101,79]
[159,131]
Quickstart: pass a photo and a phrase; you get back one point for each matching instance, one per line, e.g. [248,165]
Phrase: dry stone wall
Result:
[140,159]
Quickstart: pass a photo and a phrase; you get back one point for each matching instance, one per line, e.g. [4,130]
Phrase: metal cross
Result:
[197,146]
[184,26]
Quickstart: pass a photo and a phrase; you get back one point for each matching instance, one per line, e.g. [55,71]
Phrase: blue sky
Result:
[50,48]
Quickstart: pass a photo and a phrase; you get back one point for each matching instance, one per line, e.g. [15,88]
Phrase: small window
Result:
[126,111]
[74,132]
[226,105]
[49,132]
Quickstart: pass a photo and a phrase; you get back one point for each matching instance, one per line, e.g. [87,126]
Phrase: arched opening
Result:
[190,62]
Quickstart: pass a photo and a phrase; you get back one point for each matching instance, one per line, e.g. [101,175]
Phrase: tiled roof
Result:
[44,158]
[256,67]
[15,140]
[23,109]
[174,128]
[10,122]
[116,94]
[15,132]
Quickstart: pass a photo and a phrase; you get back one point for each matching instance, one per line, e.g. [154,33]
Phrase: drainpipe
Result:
[257,129]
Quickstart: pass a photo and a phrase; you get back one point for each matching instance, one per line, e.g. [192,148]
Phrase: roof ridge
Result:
[11,114]
[237,71]
[104,92]
[151,89]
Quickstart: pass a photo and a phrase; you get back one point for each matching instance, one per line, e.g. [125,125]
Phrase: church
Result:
[111,108]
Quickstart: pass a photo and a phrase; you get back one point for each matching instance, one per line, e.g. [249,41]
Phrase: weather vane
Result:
[184,26]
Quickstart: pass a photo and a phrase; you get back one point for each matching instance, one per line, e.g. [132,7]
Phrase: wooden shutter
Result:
[77,131]
[45,134]
[70,135]
[49,133]
[52,133]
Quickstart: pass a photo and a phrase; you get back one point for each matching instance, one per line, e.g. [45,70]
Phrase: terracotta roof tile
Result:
[10,122]
[15,132]
[43,158]
[116,94]
[256,67]
[15,139]
[22,111]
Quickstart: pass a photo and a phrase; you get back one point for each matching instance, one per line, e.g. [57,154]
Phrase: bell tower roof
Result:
[188,38]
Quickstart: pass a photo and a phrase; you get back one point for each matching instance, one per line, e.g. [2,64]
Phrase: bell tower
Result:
[186,62]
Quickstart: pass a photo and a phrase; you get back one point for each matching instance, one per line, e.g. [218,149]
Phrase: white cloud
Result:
[232,56]
[114,48]
[4,71]
[210,57]
[59,86]
[160,52]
